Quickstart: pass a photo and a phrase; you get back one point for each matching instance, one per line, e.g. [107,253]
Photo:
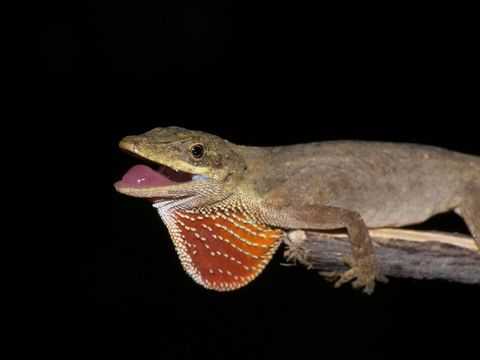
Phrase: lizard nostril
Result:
[135,144]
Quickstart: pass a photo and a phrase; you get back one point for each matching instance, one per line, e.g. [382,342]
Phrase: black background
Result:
[90,273]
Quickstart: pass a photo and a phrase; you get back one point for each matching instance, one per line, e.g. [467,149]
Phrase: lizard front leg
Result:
[364,266]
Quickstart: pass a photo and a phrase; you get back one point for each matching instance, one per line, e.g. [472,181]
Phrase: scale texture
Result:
[221,248]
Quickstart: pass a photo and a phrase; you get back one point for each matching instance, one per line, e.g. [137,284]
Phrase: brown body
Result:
[388,184]
[328,185]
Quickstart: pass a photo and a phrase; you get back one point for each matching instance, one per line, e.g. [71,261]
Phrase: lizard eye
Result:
[197,151]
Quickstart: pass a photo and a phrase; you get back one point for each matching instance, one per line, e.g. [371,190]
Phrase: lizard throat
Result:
[221,247]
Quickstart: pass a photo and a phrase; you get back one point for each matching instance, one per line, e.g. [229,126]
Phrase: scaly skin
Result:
[228,221]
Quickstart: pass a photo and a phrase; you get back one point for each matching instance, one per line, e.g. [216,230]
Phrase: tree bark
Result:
[400,253]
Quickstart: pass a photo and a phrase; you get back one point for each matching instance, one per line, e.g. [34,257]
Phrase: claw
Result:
[346,277]
[381,278]
[367,288]
[330,275]
[364,276]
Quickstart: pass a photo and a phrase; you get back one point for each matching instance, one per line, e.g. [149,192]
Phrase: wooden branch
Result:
[401,253]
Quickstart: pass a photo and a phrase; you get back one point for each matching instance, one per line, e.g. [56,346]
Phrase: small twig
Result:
[400,253]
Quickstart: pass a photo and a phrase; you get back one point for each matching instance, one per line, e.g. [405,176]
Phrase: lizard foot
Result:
[363,274]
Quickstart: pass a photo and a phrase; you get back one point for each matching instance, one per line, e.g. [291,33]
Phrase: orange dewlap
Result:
[226,249]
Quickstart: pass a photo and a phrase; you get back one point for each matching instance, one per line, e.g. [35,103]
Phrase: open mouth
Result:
[143,176]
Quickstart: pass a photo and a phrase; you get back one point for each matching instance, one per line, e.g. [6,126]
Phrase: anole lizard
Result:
[227,206]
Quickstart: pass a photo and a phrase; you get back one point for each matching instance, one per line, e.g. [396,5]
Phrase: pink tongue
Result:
[141,176]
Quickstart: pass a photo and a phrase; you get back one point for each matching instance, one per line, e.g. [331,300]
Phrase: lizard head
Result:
[182,163]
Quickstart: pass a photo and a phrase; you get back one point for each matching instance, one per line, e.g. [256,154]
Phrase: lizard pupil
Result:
[197,151]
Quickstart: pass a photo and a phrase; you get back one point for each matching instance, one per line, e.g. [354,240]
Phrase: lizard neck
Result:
[222,246]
